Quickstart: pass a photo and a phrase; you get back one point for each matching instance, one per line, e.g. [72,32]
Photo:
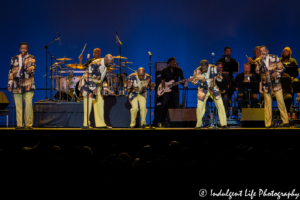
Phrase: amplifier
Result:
[3,101]
[182,118]
[253,117]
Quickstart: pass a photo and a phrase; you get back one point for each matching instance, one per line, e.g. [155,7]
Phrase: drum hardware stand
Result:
[88,95]
[46,47]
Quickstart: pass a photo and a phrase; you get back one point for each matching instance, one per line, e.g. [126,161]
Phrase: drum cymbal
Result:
[119,57]
[81,68]
[76,66]
[110,68]
[57,63]
[64,59]
[126,63]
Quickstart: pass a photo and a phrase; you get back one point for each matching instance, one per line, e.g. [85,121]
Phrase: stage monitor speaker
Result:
[3,101]
[181,118]
[253,117]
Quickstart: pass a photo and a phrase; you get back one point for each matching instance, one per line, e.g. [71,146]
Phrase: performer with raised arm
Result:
[271,69]
[93,82]
[203,75]
[96,55]
[137,84]
[21,83]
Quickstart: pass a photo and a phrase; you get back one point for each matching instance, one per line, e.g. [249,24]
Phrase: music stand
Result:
[296,88]
[251,87]
[291,70]
[231,67]
[286,82]
[222,85]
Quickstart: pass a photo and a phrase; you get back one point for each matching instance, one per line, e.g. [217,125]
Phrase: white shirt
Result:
[266,61]
[206,75]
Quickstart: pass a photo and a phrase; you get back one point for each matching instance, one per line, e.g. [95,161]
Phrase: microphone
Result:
[88,56]
[23,53]
[149,53]
[213,54]
[59,39]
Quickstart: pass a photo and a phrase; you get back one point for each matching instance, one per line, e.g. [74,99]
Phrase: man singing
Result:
[93,82]
[137,84]
[271,70]
[21,82]
[203,75]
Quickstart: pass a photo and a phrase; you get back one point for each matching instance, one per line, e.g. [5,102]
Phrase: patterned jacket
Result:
[266,74]
[135,86]
[93,77]
[203,87]
[19,79]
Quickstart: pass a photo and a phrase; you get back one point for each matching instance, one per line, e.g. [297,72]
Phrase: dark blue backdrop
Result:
[188,30]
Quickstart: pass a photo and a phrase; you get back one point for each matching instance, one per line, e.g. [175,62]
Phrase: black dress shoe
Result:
[143,125]
[284,125]
[19,127]
[105,127]
[224,126]
[87,127]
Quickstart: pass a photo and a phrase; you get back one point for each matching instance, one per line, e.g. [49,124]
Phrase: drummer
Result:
[96,55]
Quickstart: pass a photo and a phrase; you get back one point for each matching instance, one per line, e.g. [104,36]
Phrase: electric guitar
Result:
[168,86]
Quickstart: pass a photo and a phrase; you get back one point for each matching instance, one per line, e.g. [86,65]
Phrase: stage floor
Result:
[147,129]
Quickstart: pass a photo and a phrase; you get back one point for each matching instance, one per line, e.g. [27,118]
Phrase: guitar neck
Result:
[173,84]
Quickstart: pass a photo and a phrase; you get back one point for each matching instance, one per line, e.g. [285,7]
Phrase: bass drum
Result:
[77,96]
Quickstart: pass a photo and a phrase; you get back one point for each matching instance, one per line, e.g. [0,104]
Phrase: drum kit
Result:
[67,85]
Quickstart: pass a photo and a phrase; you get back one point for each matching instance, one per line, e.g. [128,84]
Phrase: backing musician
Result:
[172,72]
[286,57]
[96,55]
[245,76]
[227,81]
[202,76]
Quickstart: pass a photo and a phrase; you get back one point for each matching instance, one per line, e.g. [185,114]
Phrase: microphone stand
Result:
[51,98]
[213,119]
[23,118]
[120,78]
[88,98]
[150,126]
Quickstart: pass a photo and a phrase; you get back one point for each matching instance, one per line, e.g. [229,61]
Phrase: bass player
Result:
[172,72]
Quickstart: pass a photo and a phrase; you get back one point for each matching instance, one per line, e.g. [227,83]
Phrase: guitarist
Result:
[172,72]
[202,77]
